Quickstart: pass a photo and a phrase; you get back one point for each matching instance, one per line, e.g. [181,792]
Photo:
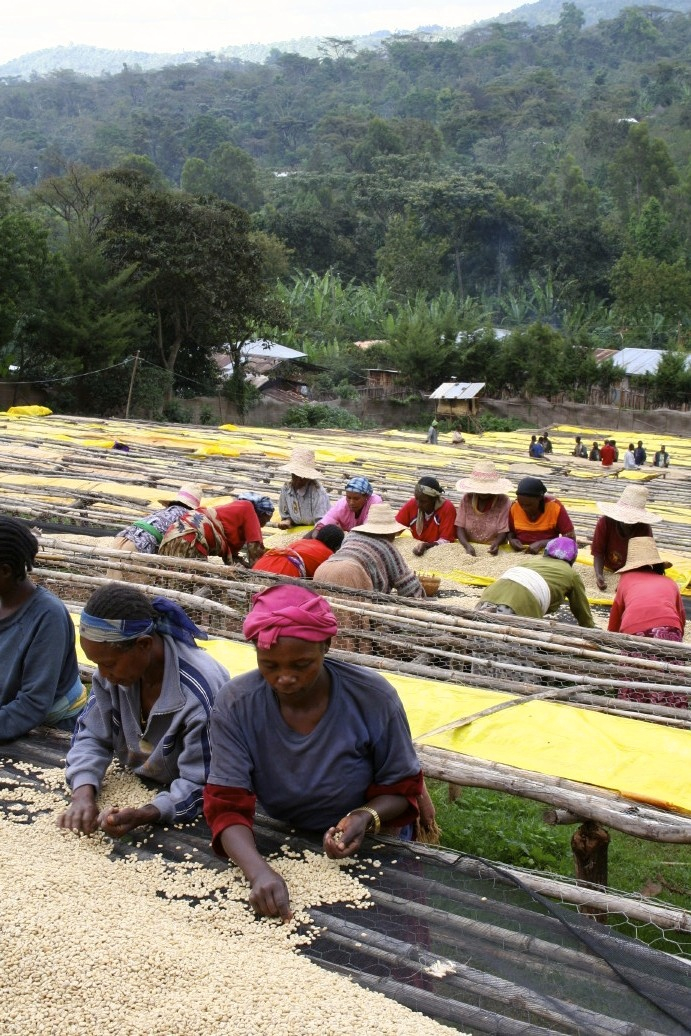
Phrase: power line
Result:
[69,377]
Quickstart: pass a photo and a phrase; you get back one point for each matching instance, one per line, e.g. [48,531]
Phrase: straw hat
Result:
[485,480]
[630,507]
[381,521]
[642,551]
[301,463]
[189,493]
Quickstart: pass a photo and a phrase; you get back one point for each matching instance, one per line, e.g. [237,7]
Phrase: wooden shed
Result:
[456,399]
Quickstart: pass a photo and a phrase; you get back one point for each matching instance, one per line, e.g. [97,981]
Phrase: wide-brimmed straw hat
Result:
[381,521]
[302,463]
[189,493]
[642,552]
[630,507]
[485,480]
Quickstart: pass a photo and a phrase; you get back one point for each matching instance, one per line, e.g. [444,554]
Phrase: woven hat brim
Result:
[627,515]
[384,529]
[643,564]
[302,471]
[497,487]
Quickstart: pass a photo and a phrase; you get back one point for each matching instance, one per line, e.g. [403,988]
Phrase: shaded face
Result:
[297,482]
[293,667]
[356,501]
[263,519]
[424,502]
[7,580]
[532,505]
[123,664]
[484,499]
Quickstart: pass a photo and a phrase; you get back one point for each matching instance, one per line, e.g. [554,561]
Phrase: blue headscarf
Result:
[261,504]
[170,619]
[359,484]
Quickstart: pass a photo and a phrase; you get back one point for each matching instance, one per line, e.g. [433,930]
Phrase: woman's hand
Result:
[117,822]
[346,837]
[269,896]
[420,548]
[537,548]
[516,544]
[470,549]
[285,523]
[81,816]
[601,583]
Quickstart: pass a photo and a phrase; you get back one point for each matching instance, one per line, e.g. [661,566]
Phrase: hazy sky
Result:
[172,26]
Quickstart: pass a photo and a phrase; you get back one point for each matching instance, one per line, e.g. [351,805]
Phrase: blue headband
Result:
[170,619]
[359,484]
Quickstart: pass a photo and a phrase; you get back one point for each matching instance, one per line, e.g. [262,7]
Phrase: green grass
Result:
[508,829]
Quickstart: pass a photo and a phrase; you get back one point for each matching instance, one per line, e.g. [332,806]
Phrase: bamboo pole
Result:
[608,807]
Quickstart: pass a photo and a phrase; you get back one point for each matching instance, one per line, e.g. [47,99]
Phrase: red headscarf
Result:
[289,611]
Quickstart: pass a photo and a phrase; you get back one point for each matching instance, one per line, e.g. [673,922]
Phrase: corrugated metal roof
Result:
[640,361]
[273,350]
[458,390]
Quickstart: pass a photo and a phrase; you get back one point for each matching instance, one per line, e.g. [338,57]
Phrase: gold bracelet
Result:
[376,819]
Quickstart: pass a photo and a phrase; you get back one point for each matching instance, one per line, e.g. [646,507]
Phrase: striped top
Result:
[382,561]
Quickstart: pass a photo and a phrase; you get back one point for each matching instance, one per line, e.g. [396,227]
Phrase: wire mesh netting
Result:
[455,938]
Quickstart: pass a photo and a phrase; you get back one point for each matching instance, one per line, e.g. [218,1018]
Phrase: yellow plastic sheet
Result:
[27,411]
[643,761]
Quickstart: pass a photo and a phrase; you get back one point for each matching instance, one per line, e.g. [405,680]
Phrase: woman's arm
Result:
[269,892]
[462,537]
[599,566]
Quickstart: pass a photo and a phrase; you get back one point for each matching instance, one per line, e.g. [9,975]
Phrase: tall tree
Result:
[199,268]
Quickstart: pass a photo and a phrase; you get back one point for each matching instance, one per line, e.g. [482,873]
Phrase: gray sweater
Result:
[172,748]
[39,663]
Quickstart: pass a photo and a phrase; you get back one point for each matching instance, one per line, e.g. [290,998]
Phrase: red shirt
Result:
[608,455]
[645,600]
[240,524]
[611,544]
[277,560]
[440,525]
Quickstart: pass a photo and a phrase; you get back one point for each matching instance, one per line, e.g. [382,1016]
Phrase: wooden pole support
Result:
[590,844]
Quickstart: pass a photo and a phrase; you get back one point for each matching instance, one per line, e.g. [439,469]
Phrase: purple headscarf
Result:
[562,547]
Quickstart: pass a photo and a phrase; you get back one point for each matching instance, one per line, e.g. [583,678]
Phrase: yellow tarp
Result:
[27,411]
[643,761]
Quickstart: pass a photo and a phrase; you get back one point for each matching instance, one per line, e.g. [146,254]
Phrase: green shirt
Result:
[562,581]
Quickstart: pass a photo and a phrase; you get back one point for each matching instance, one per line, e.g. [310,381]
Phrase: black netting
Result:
[454,937]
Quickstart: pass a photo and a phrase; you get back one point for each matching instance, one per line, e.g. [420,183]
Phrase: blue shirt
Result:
[39,662]
[311,780]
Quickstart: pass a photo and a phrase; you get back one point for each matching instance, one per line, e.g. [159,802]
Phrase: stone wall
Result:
[537,415]
[540,414]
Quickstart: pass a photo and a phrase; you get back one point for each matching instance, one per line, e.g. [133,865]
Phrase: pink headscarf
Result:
[288,611]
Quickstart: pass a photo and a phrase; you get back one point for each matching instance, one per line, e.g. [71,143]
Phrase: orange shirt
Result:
[552,521]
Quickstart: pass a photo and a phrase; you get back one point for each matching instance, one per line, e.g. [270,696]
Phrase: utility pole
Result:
[129,394]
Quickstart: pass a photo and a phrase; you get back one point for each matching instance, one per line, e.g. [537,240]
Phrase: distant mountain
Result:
[98,61]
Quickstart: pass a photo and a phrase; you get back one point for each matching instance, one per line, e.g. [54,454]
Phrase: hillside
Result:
[97,61]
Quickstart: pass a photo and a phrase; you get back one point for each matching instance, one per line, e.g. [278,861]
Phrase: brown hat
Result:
[641,553]
[485,480]
[381,521]
[630,507]
[301,463]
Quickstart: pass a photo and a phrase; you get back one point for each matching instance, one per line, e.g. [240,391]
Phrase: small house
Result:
[457,399]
